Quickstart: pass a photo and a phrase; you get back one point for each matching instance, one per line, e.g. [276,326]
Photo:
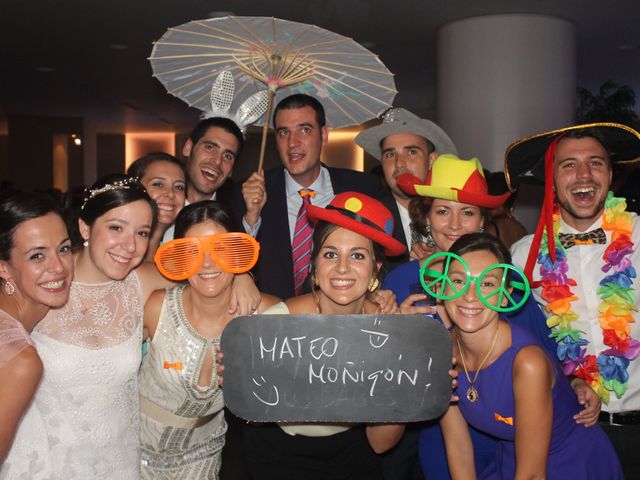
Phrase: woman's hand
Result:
[245,296]
[589,399]
[420,251]
[386,301]
[408,307]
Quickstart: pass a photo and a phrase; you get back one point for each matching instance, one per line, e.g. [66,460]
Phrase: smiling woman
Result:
[351,237]
[509,387]
[36,268]
[183,425]
[164,177]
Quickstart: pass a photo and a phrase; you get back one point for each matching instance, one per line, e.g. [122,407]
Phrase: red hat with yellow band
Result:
[452,178]
[361,214]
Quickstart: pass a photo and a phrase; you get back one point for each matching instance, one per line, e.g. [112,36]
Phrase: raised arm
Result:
[533,380]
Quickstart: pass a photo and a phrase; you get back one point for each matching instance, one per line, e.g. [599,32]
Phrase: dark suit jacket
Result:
[398,233]
[274,271]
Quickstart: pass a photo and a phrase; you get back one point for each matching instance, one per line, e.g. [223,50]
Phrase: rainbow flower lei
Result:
[608,372]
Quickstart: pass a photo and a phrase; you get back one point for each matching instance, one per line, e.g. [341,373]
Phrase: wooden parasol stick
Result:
[265,128]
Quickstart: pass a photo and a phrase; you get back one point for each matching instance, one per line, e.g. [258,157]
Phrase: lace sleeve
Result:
[13,338]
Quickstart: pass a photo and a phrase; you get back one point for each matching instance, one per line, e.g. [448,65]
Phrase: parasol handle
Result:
[265,128]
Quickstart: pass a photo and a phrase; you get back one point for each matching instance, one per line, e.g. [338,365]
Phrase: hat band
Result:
[356,217]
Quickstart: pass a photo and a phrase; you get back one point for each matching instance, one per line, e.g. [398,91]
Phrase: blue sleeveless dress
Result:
[574,452]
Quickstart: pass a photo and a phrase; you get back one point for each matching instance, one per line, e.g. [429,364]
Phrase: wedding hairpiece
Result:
[118,185]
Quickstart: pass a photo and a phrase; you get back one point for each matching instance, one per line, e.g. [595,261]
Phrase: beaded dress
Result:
[88,397]
[182,423]
[13,340]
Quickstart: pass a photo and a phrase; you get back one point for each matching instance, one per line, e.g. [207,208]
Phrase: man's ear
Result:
[85,230]
[186,149]
[432,158]
[325,135]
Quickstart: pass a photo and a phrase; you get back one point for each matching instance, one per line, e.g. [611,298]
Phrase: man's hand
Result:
[255,197]
[589,399]
[420,251]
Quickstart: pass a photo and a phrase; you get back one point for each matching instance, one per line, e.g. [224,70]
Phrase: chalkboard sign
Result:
[336,368]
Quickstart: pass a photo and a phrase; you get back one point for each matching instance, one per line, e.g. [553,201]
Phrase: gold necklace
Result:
[472,392]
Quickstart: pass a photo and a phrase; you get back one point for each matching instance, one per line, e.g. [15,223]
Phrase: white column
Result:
[501,77]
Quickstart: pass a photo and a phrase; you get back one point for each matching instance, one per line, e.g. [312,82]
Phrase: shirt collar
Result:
[320,184]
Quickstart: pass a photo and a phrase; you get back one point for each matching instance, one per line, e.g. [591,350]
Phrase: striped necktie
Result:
[301,246]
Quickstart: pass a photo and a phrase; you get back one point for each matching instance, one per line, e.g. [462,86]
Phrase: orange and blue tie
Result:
[301,246]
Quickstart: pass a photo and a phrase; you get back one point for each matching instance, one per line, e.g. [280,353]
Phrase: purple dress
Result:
[574,451]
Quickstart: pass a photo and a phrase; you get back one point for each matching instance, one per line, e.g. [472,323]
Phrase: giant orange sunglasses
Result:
[182,258]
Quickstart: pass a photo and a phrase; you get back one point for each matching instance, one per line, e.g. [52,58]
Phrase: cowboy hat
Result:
[399,120]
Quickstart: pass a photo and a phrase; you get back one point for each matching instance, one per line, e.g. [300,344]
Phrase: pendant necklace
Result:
[472,392]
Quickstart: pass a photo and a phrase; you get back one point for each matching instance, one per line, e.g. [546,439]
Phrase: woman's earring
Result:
[429,238]
[9,289]
[85,243]
[374,283]
[481,229]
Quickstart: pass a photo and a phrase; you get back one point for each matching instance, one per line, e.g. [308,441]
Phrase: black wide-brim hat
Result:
[524,159]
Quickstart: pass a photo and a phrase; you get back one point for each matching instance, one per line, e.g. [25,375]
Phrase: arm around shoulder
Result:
[19,380]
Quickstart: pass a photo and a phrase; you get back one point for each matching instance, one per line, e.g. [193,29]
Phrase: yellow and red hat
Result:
[362,214]
[452,178]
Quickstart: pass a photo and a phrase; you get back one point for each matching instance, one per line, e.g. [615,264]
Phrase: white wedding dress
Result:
[87,402]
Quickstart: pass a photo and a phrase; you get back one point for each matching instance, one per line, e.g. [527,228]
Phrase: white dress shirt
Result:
[324,194]
[585,267]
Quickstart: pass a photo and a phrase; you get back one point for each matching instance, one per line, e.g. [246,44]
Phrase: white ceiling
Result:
[57,57]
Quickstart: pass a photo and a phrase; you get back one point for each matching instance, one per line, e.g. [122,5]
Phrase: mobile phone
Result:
[417,288]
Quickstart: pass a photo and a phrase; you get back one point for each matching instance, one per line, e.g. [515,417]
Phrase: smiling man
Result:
[269,203]
[211,151]
[589,290]
[404,143]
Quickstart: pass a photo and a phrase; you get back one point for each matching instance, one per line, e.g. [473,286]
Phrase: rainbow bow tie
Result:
[597,236]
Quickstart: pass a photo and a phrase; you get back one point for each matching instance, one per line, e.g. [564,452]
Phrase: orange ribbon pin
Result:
[175,365]
[500,418]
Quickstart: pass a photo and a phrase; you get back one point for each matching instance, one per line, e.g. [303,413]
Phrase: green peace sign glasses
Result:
[437,283]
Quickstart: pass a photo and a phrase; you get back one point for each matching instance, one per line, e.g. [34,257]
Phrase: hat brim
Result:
[392,247]
[524,159]
[412,185]
[371,138]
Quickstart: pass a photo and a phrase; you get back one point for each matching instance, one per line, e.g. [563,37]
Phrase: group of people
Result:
[111,369]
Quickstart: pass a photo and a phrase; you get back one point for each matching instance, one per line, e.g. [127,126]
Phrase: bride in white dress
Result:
[91,348]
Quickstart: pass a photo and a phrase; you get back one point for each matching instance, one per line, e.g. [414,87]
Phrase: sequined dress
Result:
[182,423]
[88,398]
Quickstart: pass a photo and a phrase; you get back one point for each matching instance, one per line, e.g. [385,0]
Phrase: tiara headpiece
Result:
[117,185]
[222,92]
